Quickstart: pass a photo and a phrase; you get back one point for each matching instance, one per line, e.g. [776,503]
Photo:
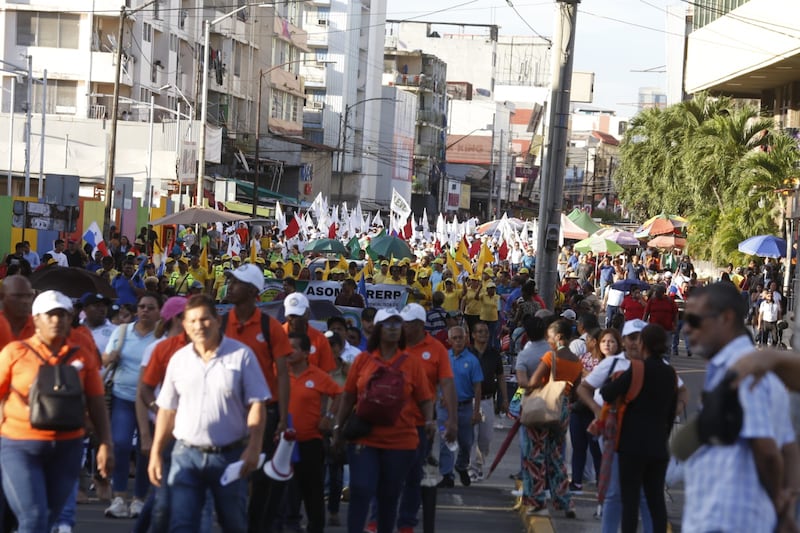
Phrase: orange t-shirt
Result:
[156,368]
[568,371]
[402,435]
[321,354]
[19,367]
[249,333]
[305,400]
[435,364]
[6,335]
[28,329]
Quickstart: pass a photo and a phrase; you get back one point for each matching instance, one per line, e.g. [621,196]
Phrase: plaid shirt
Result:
[723,492]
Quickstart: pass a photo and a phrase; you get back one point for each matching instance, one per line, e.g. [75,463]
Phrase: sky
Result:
[614,37]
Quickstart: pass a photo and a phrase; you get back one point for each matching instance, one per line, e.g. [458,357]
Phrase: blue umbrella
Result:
[626,285]
[764,246]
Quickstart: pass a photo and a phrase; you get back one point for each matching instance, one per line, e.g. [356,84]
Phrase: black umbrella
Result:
[626,285]
[72,281]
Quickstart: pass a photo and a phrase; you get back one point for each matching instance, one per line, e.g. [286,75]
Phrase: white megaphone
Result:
[279,467]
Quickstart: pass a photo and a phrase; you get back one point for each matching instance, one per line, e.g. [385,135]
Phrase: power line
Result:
[511,5]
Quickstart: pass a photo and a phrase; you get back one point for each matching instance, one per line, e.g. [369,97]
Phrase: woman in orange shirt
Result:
[40,466]
[387,451]
[543,465]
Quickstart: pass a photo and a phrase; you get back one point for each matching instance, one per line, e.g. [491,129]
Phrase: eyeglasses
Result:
[695,321]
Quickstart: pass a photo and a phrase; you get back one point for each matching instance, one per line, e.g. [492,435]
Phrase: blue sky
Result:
[609,48]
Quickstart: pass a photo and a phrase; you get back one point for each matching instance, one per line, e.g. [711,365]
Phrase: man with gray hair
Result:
[467,377]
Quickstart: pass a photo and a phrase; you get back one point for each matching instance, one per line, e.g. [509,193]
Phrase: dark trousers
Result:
[266,494]
[308,485]
[335,482]
[638,473]
[579,421]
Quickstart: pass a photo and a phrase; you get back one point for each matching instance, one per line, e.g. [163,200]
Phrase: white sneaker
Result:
[62,528]
[136,508]
[117,509]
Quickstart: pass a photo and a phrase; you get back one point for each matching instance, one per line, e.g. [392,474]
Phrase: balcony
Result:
[314,76]
[413,80]
[104,69]
[317,39]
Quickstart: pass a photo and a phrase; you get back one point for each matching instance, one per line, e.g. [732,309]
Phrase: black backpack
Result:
[55,399]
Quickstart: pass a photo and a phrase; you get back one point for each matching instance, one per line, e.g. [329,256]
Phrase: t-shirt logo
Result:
[313,349]
[426,355]
[260,337]
[466,365]
[309,384]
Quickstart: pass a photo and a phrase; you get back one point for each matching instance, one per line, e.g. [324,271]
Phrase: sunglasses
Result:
[695,321]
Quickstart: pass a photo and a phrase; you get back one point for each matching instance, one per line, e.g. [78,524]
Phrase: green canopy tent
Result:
[584,221]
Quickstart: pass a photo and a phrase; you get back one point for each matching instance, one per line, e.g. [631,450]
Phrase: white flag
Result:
[317,206]
[602,203]
[377,220]
[280,218]
[399,205]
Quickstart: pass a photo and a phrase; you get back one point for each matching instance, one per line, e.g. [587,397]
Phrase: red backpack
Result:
[384,396]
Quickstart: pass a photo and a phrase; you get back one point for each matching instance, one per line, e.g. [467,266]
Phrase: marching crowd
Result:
[195,400]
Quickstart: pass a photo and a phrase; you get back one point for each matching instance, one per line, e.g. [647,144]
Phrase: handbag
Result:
[355,427]
[544,405]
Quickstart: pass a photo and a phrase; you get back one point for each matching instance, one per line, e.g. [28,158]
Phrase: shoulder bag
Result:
[111,370]
[543,405]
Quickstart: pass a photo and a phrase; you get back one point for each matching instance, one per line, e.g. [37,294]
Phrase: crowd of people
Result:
[178,388]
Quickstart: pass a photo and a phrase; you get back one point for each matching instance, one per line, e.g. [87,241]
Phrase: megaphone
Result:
[279,467]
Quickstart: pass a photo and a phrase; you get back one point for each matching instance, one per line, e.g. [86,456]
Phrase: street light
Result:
[201,152]
[261,74]
[190,117]
[343,137]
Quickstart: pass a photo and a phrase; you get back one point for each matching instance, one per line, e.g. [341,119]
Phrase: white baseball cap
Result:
[249,274]
[633,326]
[569,314]
[296,304]
[49,301]
[385,314]
[413,312]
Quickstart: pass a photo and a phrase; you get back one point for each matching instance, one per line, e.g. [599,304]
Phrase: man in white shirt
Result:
[57,253]
[769,312]
[95,309]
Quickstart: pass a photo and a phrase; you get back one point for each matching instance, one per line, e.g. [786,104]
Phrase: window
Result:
[157,9]
[144,94]
[173,42]
[323,14]
[286,106]
[52,30]
[61,96]
[237,59]
[147,32]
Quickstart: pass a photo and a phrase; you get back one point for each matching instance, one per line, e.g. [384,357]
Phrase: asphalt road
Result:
[486,505]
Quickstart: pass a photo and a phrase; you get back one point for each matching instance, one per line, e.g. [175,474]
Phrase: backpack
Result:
[616,410]
[384,396]
[55,399]
[264,328]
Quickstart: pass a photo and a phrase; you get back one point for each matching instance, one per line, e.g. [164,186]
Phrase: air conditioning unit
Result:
[322,22]
[317,105]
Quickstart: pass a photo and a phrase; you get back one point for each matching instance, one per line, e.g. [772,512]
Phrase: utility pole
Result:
[28,119]
[112,143]
[492,170]
[342,147]
[257,175]
[552,186]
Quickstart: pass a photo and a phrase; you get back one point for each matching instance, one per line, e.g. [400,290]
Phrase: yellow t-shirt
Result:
[199,274]
[472,305]
[489,307]
[452,301]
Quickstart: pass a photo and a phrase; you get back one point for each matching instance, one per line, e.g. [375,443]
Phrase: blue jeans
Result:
[676,337]
[123,429]
[611,310]
[412,492]
[612,506]
[466,437]
[371,468]
[191,474]
[38,477]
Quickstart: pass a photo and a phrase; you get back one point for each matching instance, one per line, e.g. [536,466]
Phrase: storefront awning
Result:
[246,188]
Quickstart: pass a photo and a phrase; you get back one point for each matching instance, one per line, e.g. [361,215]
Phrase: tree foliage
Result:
[715,161]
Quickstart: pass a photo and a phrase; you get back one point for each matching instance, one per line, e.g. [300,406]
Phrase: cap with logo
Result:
[386,314]
[50,301]
[633,326]
[413,312]
[249,274]
[295,304]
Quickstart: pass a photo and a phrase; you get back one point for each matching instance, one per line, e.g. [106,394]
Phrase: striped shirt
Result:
[723,491]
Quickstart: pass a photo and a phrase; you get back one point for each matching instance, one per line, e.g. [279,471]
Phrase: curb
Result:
[532,524]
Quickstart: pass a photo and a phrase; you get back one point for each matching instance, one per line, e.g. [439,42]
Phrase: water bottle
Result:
[451,445]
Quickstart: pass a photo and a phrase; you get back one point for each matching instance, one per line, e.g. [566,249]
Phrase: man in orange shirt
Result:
[296,311]
[436,364]
[310,389]
[17,299]
[244,324]
[41,461]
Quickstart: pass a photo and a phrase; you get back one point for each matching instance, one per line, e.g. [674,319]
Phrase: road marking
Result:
[458,500]
[471,508]
[692,371]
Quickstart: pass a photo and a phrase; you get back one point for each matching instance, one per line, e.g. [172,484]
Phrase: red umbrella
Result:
[667,241]
[662,226]
[504,447]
